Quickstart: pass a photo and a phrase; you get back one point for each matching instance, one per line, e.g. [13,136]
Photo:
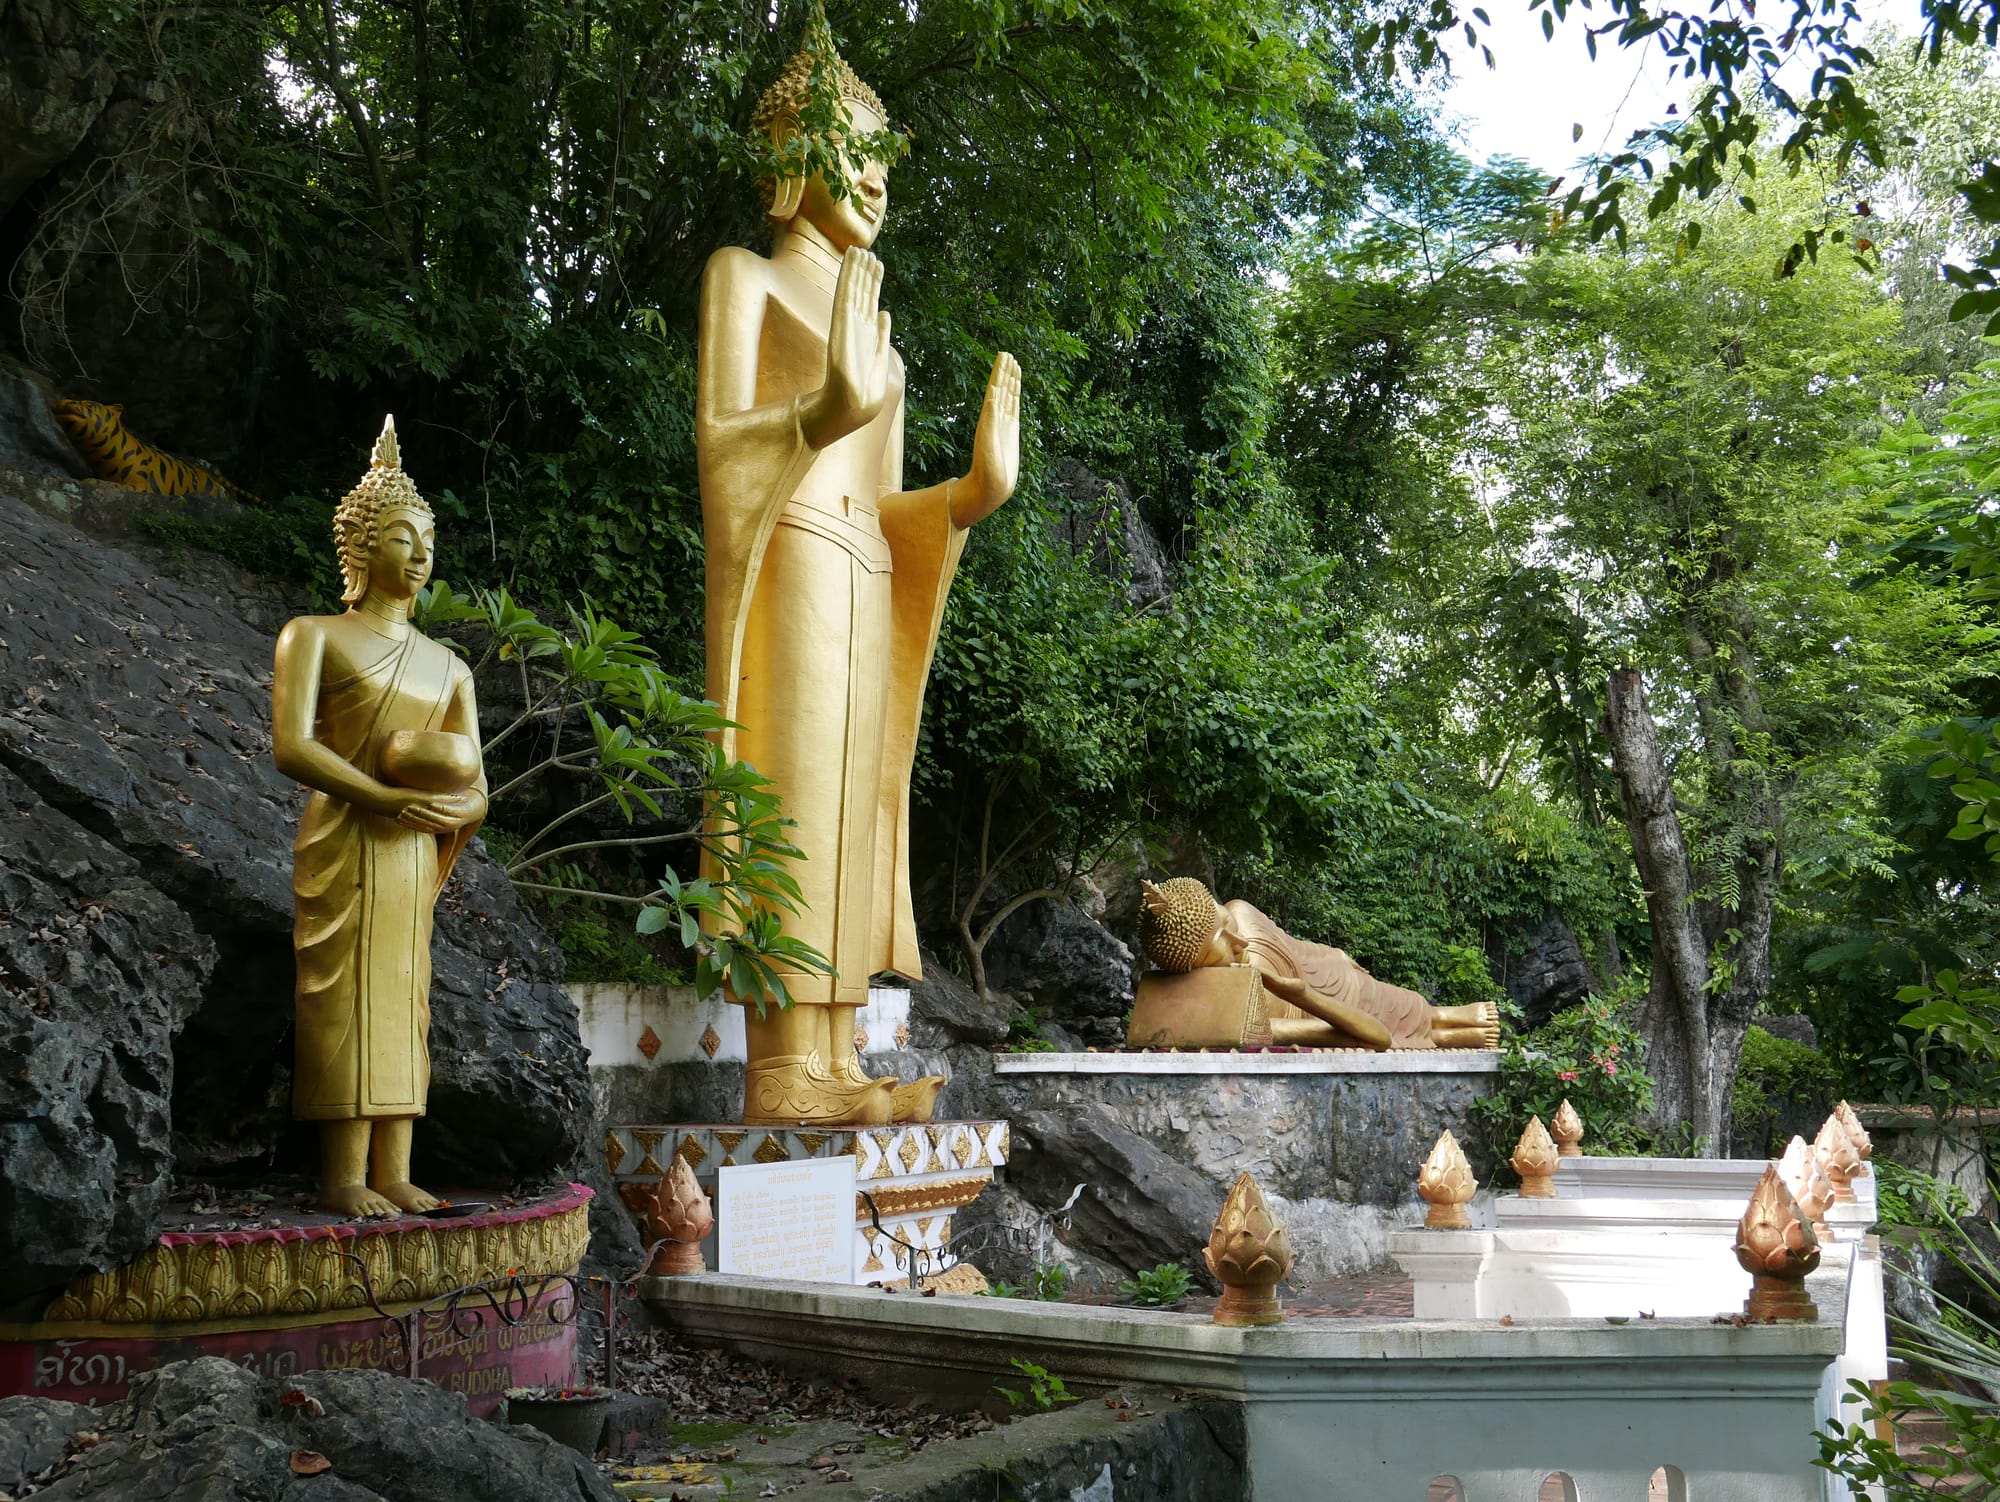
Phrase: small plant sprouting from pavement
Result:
[1045,1389]
[1161,1287]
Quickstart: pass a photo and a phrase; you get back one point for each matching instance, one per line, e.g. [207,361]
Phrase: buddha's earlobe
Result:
[786,196]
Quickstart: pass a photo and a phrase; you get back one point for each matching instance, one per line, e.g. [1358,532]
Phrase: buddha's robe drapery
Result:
[364,887]
[825,589]
[1333,974]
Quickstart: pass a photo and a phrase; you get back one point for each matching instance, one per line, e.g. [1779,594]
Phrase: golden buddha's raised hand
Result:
[857,355]
[996,447]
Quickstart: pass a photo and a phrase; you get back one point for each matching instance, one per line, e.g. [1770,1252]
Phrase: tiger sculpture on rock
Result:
[115,455]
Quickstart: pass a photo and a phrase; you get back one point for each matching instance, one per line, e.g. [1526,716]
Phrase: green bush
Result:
[1589,1055]
[1911,1197]
[1775,1073]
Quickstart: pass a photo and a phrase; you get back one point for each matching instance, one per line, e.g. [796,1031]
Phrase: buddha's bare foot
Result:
[408,1197]
[916,1100]
[357,1201]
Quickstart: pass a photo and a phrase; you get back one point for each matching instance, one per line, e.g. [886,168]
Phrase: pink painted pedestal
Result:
[478,1353]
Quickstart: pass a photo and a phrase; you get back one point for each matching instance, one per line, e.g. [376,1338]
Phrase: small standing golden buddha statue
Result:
[826,580]
[379,721]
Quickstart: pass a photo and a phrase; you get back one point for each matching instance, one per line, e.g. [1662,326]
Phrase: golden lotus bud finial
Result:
[1835,1150]
[1447,1182]
[1567,1128]
[1775,1244]
[1248,1252]
[385,455]
[1806,1178]
[1864,1146]
[1535,1159]
[674,1216]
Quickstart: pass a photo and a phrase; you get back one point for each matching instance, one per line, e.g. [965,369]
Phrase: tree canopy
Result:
[1434,554]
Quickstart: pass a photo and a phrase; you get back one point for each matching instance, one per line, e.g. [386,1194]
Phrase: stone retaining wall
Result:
[1334,1139]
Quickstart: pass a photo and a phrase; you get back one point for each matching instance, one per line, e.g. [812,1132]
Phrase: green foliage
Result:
[1050,1281]
[1910,1198]
[1962,1348]
[599,719]
[1589,1055]
[1045,1391]
[597,951]
[1160,1287]
[1775,1073]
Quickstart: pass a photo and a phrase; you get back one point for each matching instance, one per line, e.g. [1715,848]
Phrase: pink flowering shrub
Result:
[1588,1054]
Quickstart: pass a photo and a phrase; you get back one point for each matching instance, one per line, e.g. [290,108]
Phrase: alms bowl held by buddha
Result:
[437,761]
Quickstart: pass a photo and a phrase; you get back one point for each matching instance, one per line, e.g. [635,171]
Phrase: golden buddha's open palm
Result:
[857,354]
[996,447]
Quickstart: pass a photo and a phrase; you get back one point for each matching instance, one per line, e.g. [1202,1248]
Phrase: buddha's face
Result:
[855,219]
[405,543]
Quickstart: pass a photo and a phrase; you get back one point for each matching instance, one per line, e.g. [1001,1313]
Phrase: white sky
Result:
[1537,91]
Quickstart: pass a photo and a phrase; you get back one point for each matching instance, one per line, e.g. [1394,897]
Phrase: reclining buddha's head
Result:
[1182,927]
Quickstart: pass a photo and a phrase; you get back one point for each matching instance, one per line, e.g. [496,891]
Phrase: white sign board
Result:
[787,1220]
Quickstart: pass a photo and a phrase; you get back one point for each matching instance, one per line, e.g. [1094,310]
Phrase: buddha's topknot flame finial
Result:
[383,486]
[784,102]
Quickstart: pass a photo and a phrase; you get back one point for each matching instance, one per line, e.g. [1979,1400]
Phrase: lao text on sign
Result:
[787,1220]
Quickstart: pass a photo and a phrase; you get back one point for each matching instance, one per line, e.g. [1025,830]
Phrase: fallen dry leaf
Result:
[309,1463]
[305,1400]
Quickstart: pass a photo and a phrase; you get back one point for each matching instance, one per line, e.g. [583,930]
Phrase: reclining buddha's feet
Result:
[802,1090]
[1475,1026]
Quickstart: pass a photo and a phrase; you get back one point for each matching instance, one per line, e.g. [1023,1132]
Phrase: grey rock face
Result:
[945,1011]
[98,972]
[1794,1028]
[1544,970]
[1338,1154]
[203,1430]
[1104,522]
[1054,958]
[30,437]
[137,709]
[1140,1206]
[53,85]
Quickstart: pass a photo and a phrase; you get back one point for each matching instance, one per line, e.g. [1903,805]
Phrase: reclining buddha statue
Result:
[1225,976]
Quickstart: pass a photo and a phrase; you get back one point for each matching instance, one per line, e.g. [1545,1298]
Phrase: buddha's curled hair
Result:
[384,485]
[1177,918]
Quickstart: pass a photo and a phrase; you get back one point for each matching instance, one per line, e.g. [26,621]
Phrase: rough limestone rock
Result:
[138,708]
[1542,971]
[98,972]
[53,86]
[1793,1028]
[1140,1207]
[1339,1153]
[202,1431]
[1103,522]
[30,437]
[1055,959]
[945,1011]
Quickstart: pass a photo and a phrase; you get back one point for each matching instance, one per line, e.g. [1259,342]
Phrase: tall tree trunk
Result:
[1711,960]
[1676,1020]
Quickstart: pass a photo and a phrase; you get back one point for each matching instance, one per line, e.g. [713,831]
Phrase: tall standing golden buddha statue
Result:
[826,582]
[379,721]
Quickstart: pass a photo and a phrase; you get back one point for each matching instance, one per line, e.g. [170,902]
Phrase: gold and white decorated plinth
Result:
[918,1175]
